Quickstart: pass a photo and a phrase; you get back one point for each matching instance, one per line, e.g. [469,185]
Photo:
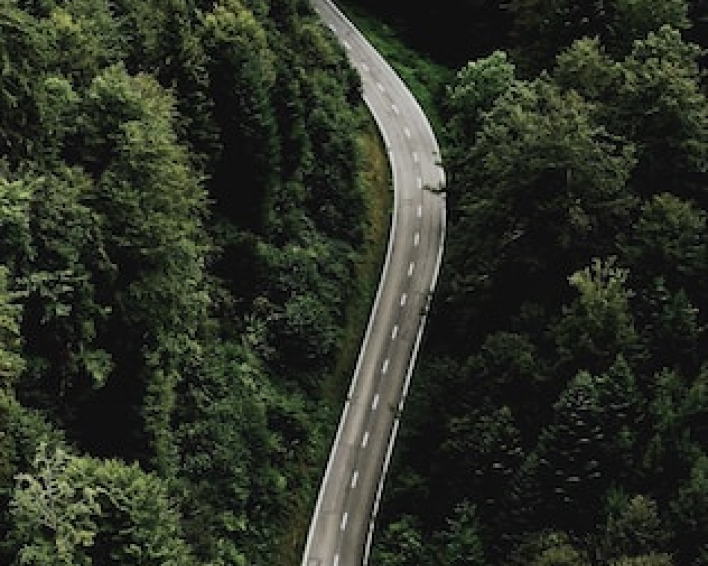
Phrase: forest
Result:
[182,217]
[559,415]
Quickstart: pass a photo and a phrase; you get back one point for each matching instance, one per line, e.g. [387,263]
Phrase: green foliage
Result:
[577,155]
[652,97]
[22,56]
[542,28]
[48,501]
[689,514]
[598,325]
[161,180]
[475,90]
[635,530]
[539,178]
[21,431]
[402,544]
[460,541]
[72,510]
[549,548]
[11,361]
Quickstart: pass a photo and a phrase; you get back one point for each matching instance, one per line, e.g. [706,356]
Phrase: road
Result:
[343,519]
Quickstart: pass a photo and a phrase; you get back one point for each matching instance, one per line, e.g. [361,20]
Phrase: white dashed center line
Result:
[394,332]
[384,368]
[411,268]
[416,239]
[343,524]
[355,478]
[375,402]
[364,441]
[420,211]
[404,299]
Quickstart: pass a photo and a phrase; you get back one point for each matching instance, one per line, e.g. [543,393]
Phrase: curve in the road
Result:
[342,524]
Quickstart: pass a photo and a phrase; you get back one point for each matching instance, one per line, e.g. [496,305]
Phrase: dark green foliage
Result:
[460,541]
[563,391]
[634,529]
[176,263]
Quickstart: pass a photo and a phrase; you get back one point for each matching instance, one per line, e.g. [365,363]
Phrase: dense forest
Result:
[181,217]
[560,414]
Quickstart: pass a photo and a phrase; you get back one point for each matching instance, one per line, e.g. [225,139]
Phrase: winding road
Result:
[347,504]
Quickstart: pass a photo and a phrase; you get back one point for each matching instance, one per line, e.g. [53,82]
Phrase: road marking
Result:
[411,268]
[407,132]
[381,87]
[336,560]
[346,45]
[404,298]
[420,211]
[365,67]
[420,182]
[364,441]
[384,368]
[394,332]
[416,239]
[395,109]
[355,479]
[375,402]
[415,156]
[343,525]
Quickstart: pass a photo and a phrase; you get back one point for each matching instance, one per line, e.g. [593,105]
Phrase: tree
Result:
[11,360]
[652,97]
[485,448]
[79,511]
[475,89]
[635,529]
[23,53]
[548,548]
[149,207]
[543,28]
[669,240]
[82,40]
[598,325]
[576,457]
[586,67]
[48,502]
[542,189]
[21,431]
[689,512]
[460,543]
[401,543]
[242,74]
[635,19]
[661,108]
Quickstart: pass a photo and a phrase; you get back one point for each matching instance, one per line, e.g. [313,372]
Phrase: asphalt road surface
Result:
[343,519]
